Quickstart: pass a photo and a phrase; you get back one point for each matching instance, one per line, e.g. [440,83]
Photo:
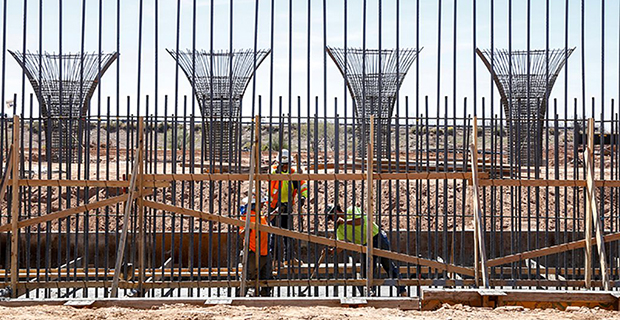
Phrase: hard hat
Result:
[263,198]
[284,158]
[332,210]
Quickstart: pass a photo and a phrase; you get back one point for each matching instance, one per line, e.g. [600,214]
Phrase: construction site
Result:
[383,196]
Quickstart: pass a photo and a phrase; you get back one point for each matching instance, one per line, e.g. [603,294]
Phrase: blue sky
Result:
[243,37]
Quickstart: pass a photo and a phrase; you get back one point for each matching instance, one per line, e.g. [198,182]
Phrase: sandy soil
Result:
[228,312]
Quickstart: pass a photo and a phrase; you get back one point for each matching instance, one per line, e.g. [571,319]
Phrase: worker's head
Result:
[284,160]
[332,211]
[250,201]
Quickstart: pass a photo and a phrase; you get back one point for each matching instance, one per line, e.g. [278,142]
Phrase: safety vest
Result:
[264,236]
[277,187]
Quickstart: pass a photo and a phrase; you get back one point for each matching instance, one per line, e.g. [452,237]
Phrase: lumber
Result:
[87,183]
[478,233]
[312,238]
[126,212]
[246,234]
[315,176]
[65,213]
[593,219]
[7,174]
[547,251]
[15,204]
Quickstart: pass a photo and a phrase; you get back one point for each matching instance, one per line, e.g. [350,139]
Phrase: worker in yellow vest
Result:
[351,226]
[282,197]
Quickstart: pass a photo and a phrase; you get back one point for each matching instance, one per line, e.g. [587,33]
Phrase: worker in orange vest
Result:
[282,196]
[264,260]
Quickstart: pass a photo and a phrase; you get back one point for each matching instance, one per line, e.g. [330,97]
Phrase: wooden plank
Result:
[6,177]
[479,233]
[589,198]
[65,213]
[475,203]
[546,183]
[15,204]
[433,298]
[313,238]
[548,250]
[246,225]
[87,183]
[370,208]
[126,213]
[314,176]
[593,210]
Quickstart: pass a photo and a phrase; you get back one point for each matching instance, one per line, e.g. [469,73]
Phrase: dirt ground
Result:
[239,312]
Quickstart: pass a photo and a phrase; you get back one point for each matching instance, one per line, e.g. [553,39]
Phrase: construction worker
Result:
[282,196]
[264,262]
[351,226]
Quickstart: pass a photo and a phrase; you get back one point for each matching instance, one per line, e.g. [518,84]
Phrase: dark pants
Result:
[264,271]
[381,241]
[283,220]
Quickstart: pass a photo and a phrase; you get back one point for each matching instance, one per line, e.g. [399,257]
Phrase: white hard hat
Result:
[284,158]
[263,198]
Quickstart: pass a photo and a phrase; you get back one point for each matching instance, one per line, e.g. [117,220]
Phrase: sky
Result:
[445,66]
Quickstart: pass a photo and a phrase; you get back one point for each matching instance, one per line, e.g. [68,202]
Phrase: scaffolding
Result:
[63,85]
[219,80]
[525,80]
[373,78]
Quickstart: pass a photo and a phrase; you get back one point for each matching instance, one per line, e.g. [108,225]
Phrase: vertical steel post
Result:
[140,198]
[369,206]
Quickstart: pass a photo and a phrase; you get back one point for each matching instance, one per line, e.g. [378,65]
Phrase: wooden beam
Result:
[478,232]
[593,216]
[588,220]
[314,176]
[120,252]
[87,183]
[313,238]
[65,213]
[7,174]
[548,250]
[246,234]
[15,204]
[370,208]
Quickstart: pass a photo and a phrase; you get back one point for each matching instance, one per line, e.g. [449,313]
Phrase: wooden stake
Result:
[592,209]
[15,209]
[120,251]
[481,263]
[7,174]
[588,223]
[476,245]
[370,207]
[246,235]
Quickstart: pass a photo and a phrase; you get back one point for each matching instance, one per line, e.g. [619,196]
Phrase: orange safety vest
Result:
[274,189]
[264,236]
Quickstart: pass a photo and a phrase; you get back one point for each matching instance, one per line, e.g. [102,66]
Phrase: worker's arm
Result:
[351,222]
